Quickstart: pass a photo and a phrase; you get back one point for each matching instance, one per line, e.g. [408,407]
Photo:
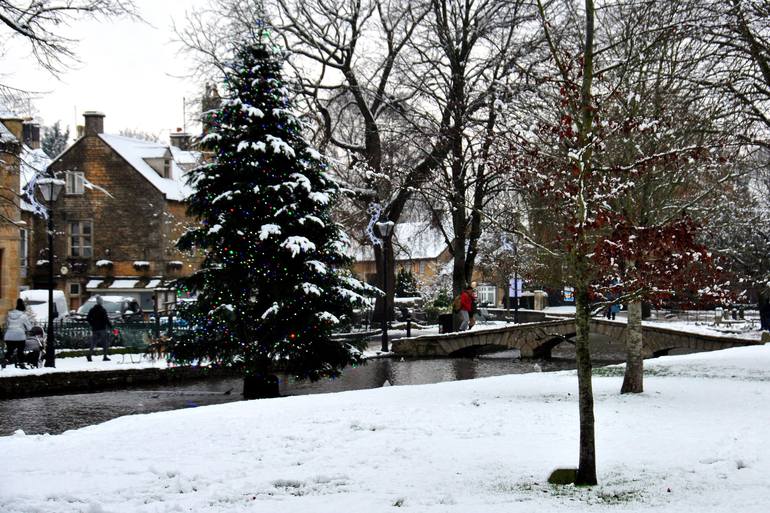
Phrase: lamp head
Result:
[385,228]
[50,188]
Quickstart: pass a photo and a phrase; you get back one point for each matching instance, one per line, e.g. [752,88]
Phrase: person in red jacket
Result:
[466,307]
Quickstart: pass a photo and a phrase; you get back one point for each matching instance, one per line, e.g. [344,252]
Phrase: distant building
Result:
[420,248]
[118,218]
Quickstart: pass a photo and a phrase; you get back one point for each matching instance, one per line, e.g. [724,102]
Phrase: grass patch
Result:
[613,493]
[618,372]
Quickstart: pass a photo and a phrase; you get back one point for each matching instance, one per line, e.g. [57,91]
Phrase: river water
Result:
[56,414]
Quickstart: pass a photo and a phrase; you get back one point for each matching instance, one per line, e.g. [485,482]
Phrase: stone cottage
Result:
[117,218]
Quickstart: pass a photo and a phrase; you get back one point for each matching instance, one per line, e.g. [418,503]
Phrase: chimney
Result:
[180,139]
[32,134]
[80,130]
[13,123]
[94,123]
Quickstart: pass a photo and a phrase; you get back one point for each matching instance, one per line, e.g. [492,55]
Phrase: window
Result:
[80,237]
[74,289]
[487,294]
[23,251]
[75,182]
[421,270]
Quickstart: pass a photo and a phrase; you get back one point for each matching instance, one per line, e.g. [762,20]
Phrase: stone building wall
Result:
[9,208]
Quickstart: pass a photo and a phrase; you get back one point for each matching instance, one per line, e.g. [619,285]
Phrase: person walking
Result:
[99,321]
[475,311]
[613,311]
[17,325]
[466,307]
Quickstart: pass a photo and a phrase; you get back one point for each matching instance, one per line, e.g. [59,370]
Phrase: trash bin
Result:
[445,323]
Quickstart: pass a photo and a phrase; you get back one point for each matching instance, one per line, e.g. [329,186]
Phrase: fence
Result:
[77,335]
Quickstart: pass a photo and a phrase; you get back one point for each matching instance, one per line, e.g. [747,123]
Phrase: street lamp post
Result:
[385,229]
[515,283]
[50,188]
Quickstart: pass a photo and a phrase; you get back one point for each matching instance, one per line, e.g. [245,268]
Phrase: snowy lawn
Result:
[695,441]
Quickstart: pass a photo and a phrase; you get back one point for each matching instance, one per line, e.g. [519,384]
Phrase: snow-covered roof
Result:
[184,157]
[7,113]
[153,284]
[412,240]
[93,284]
[135,151]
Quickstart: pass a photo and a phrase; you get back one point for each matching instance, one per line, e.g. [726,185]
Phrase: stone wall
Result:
[86,381]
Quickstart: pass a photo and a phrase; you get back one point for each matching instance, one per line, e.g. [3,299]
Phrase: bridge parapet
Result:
[539,338]
[528,338]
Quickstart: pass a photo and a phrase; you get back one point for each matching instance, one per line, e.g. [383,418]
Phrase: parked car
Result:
[119,308]
[37,302]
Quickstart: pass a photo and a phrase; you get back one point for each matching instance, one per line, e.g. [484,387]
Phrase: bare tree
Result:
[468,60]
[344,56]
[676,143]
[42,26]
[738,35]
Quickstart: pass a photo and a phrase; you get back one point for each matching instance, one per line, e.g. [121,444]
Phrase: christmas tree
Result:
[273,284]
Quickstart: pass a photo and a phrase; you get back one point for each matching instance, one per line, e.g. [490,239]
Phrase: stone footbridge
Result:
[537,340]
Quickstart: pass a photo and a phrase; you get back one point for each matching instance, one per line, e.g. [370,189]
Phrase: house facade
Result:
[11,136]
[117,219]
[419,246]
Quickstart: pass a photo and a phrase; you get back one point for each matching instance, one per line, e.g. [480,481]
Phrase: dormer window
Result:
[74,182]
[161,165]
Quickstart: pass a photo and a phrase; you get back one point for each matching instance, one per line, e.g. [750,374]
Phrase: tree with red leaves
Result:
[655,264]
[619,171]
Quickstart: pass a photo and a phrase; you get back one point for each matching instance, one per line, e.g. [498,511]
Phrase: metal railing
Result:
[77,335]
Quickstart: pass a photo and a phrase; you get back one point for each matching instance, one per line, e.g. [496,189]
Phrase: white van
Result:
[37,302]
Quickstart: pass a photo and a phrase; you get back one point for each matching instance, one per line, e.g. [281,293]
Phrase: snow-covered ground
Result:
[695,441]
[79,364]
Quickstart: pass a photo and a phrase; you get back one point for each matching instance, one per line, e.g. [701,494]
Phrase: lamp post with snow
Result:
[385,229]
[515,283]
[50,188]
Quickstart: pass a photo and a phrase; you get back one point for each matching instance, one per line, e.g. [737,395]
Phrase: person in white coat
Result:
[17,325]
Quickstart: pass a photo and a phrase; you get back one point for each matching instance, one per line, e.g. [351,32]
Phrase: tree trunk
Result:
[634,376]
[459,281]
[379,302]
[260,386]
[764,309]
[586,474]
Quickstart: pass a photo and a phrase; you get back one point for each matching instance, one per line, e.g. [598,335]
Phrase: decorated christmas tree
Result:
[273,284]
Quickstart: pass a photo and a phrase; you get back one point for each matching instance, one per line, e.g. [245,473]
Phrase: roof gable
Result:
[137,153]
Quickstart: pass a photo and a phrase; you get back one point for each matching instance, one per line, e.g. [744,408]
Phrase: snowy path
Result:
[486,445]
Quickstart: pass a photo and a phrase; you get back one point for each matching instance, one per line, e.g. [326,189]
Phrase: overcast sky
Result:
[129,71]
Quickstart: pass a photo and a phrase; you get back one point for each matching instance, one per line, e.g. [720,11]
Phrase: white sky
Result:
[129,71]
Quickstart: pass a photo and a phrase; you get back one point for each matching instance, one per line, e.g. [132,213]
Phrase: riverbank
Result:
[694,441]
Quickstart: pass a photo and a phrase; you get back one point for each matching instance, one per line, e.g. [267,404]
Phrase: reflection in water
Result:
[56,414]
